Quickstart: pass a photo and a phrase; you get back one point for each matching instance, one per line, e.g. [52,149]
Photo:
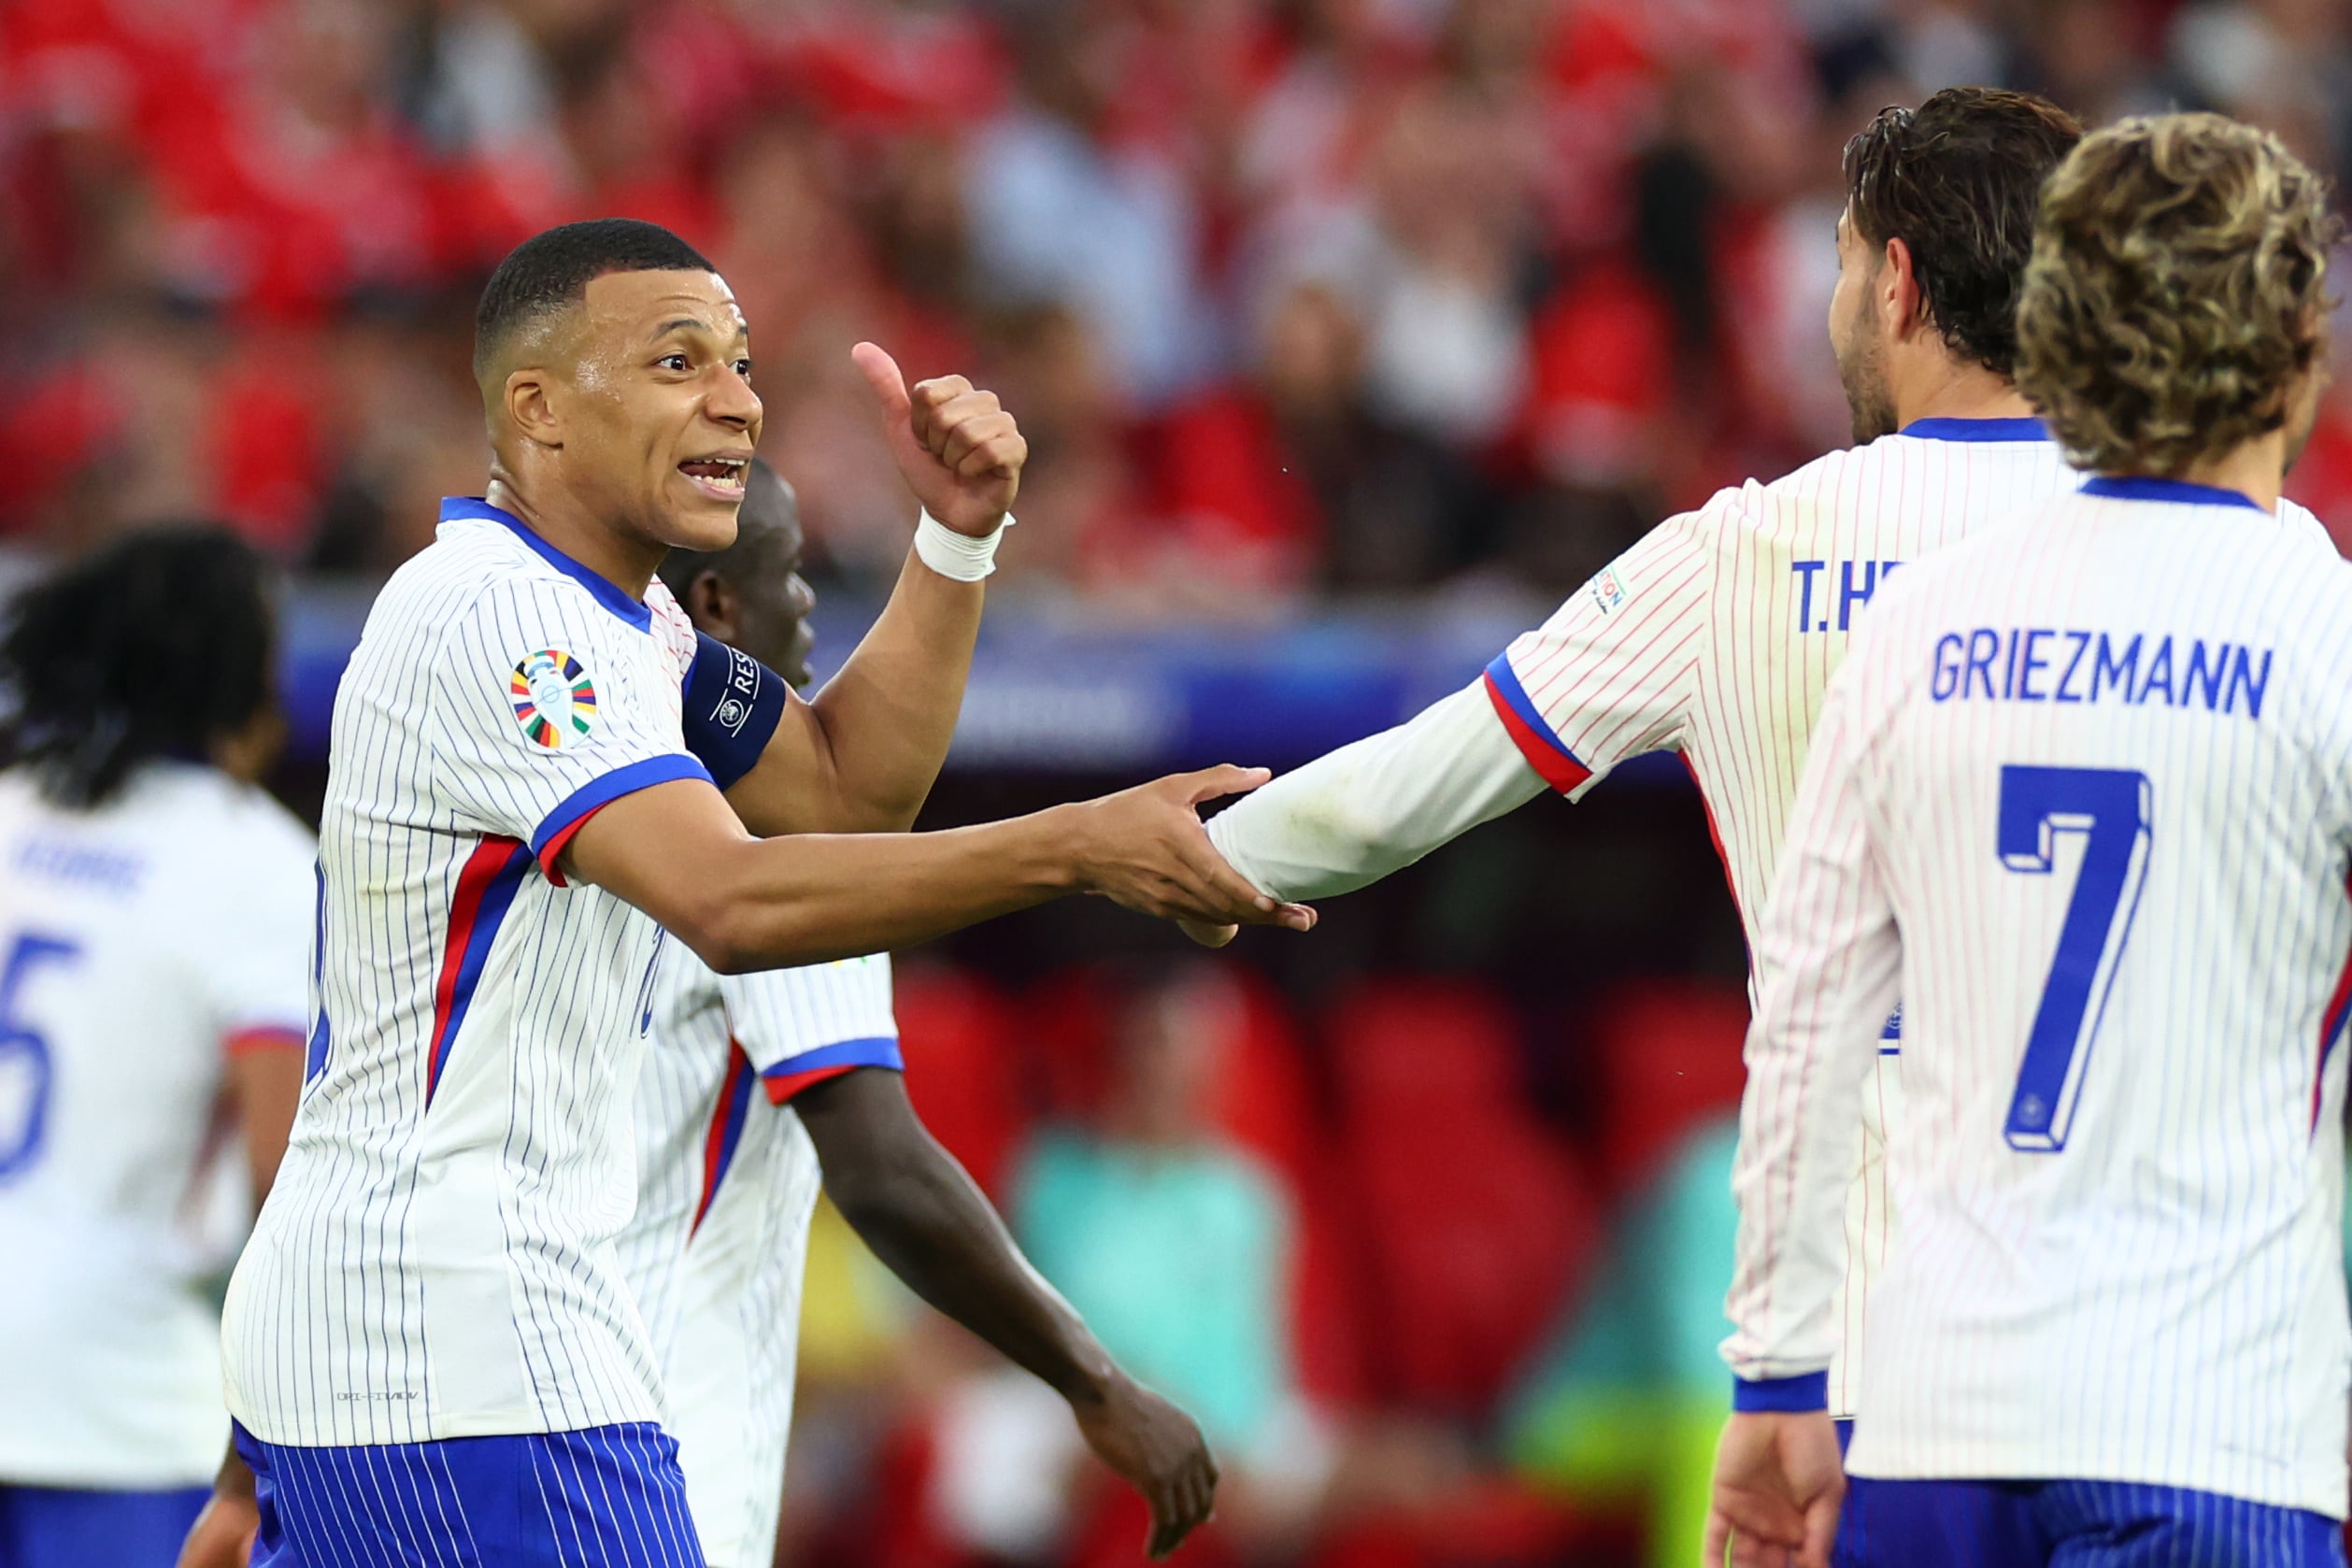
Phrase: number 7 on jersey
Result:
[2111,809]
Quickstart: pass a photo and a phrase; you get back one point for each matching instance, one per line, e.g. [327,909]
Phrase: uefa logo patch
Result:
[555,700]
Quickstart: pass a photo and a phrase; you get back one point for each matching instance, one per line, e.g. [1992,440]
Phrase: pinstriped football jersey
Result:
[141,943]
[727,1179]
[1714,637]
[437,1259]
[2083,797]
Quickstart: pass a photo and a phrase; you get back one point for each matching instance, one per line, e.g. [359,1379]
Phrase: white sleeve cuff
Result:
[1351,817]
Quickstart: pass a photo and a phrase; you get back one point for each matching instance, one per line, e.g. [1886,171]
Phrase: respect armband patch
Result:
[733,705]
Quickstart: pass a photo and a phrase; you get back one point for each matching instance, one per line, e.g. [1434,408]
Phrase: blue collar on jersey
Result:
[2137,487]
[605,591]
[1976,430]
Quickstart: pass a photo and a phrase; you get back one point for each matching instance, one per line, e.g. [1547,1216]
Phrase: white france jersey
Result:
[437,1258]
[1715,635]
[2084,796]
[139,942]
[726,1181]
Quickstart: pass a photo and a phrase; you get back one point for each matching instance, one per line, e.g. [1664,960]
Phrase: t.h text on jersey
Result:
[1846,590]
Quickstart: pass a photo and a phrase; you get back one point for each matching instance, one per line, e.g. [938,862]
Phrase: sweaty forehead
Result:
[639,307]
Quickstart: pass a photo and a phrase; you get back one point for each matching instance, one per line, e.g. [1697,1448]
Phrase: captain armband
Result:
[733,705]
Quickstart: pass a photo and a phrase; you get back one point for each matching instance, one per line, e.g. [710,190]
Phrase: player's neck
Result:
[1942,388]
[624,560]
[2256,469]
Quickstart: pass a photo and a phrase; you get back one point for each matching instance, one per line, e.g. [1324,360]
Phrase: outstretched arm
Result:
[926,1219]
[1348,819]
[675,851]
[863,756]
[1608,675]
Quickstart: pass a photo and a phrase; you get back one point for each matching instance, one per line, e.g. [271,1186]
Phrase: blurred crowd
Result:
[1291,296]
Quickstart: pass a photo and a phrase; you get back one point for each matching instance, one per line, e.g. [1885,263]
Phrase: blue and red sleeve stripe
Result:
[726,1131]
[1530,731]
[486,889]
[572,814]
[783,1080]
[794,1074]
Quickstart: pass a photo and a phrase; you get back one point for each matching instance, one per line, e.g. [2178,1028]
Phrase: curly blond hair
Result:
[2174,298]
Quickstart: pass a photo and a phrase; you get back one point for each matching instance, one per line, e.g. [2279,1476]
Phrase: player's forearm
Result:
[676,851]
[815,897]
[931,1225]
[265,1083]
[1373,808]
[889,715]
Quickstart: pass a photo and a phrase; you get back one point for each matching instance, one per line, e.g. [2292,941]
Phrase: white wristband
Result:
[957,556]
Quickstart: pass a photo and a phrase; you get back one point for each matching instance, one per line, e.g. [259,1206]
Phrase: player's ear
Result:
[712,603]
[1900,302]
[531,408]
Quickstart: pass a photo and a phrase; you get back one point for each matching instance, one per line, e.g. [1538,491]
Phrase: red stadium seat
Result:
[963,1070]
[1669,1055]
[1473,1217]
[1066,1022]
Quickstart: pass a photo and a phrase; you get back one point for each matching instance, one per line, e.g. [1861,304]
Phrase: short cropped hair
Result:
[1957,180]
[2177,292]
[551,270]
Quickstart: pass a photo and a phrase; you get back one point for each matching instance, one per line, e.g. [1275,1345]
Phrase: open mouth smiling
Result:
[721,477]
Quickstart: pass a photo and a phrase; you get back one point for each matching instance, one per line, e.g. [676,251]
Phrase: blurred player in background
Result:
[2083,797]
[757,1088]
[154,915]
[1715,635]
[431,1346]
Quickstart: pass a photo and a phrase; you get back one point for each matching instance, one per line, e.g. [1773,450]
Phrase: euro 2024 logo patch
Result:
[554,698]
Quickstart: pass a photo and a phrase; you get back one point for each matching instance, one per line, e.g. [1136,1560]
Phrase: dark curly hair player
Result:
[157,645]
[155,922]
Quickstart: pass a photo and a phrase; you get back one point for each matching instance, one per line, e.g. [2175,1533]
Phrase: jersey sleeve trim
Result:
[261,1037]
[1805,1391]
[573,812]
[725,1132]
[1545,751]
[790,1076]
[486,889]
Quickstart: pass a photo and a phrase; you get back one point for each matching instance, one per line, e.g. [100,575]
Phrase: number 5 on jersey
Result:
[25,1049]
[2110,807]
